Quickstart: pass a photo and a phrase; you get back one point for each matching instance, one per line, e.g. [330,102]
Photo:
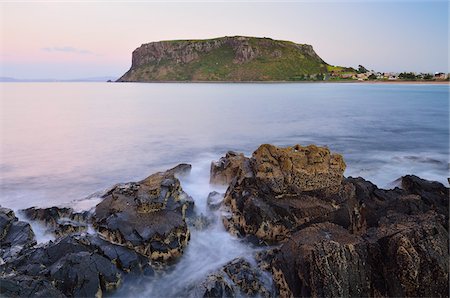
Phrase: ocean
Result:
[64,143]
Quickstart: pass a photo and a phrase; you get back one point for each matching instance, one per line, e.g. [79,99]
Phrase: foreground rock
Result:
[60,221]
[236,278]
[147,216]
[276,190]
[75,265]
[15,235]
[339,236]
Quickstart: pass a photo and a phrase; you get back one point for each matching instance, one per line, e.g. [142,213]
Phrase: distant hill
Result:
[92,79]
[236,58]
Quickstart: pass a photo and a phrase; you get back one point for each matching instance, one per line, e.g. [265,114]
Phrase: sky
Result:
[79,39]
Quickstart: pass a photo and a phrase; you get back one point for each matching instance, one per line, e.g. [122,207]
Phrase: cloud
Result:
[68,50]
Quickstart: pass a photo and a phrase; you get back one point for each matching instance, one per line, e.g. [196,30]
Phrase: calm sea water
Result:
[61,142]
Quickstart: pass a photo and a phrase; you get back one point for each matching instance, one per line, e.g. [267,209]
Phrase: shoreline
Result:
[301,82]
[258,82]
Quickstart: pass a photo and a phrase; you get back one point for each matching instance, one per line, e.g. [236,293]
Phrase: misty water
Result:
[62,144]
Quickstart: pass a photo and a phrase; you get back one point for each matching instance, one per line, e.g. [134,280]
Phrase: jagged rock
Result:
[199,222]
[298,169]
[339,237]
[67,228]
[60,221]
[323,260]
[53,215]
[15,235]
[374,203]
[433,193]
[402,247]
[234,279]
[147,216]
[27,286]
[215,285]
[409,255]
[228,167]
[248,279]
[76,265]
[214,200]
[278,189]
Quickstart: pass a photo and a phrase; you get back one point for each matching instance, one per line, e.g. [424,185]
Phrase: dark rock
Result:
[323,260]
[433,193]
[67,228]
[215,285]
[236,278]
[228,167]
[298,169]
[15,235]
[27,286]
[248,279]
[199,222]
[76,265]
[214,200]
[409,256]
[60,221]
[147,216]
[281,189]
[53,215]
[339,237]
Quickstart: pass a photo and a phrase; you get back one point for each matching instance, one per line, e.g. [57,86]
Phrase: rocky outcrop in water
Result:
[137,223]
[75,265]
[15,235]
[339,236]
[334,236]
[279,189]
[147,216]
[60,221]
[236,278]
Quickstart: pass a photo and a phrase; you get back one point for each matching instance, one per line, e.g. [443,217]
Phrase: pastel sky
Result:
[73,39]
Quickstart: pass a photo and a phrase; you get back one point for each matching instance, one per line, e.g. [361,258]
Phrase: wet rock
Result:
[53,215]
[68,227]
[405,255]
[27,286]
[375,203]
[323,260]
[15,235]
[84,274]
[298,169]
[215,285]
[60,221]
[214,200]
[227,168]
[282,189]
[409,255]
[147,216]
[433,193]
[236,278]
[199,222]
[248,279]
[76,265]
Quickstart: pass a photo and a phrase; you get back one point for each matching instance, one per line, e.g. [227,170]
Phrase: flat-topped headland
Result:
[247,59]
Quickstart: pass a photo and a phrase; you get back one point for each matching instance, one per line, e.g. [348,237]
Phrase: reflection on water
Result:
[63,141]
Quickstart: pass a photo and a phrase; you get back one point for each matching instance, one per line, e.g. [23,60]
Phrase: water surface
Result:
[62,142]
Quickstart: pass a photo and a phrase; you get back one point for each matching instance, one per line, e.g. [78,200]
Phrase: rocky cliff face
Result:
[226,58]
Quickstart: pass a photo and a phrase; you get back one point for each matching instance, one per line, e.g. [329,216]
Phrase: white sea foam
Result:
[41,232]
[207,250]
